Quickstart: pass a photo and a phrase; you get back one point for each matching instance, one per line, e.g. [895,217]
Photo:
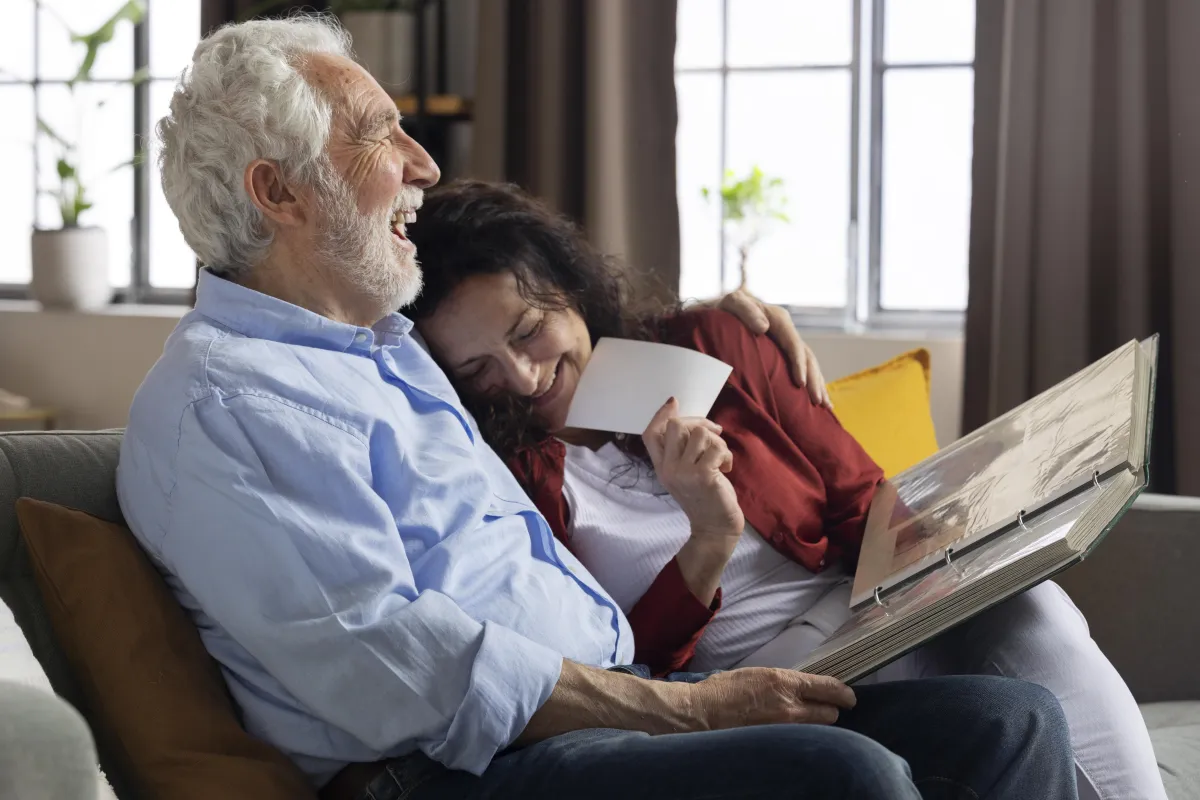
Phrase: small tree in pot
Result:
[70,264]
[749,207]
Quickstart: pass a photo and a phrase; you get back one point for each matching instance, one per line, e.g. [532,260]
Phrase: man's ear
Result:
[272,194]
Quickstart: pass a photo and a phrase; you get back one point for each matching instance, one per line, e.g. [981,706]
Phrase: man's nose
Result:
[420,169]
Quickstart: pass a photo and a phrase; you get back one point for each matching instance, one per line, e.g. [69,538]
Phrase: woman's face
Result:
[491,340]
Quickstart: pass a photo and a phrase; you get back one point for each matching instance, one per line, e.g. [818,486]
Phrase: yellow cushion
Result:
[886,408]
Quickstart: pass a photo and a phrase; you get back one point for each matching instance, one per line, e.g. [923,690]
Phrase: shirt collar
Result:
[261,316]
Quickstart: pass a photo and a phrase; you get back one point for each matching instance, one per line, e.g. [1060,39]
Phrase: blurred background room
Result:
[995,193]
[1009,185]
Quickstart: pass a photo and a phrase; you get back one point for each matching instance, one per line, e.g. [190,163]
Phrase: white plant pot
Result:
[386,45]
[70,269]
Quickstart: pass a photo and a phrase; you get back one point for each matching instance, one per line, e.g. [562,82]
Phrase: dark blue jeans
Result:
[976,737]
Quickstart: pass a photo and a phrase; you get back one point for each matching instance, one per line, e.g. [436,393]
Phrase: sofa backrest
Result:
[73,469]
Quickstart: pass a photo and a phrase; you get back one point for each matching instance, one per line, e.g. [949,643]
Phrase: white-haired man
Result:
[372,580]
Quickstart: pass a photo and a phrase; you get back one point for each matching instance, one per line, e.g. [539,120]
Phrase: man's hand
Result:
[586,697]
[761,318]
[756,696]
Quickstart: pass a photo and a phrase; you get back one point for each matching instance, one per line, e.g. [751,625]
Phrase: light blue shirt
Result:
[369,575]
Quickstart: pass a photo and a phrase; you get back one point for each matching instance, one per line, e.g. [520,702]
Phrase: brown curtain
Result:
[1085,223]
[575,101]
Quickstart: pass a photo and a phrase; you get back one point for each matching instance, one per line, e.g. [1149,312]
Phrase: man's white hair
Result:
[243,98]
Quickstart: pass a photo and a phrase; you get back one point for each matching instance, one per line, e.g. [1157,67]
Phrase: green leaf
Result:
[140,76]
[138,159]
[751,201]
[45,128]
[65,170]
[132,12]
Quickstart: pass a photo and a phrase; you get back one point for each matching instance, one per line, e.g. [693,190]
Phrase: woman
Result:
[724,540]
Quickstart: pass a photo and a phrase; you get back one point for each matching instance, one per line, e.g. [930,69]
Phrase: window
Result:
[864,110]
[109,119]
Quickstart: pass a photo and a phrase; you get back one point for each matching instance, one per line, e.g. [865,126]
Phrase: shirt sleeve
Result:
[668,621]
[277,533]
[849,475]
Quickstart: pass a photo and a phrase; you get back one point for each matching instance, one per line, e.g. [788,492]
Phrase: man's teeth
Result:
[402,217]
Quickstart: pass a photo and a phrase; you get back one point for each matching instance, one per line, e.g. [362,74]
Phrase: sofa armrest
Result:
[1140,592]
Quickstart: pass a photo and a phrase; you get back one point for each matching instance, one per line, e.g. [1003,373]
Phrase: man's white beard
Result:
[361,247]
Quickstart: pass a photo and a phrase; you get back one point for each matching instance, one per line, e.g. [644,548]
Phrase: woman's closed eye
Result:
[473,377]
[532,331]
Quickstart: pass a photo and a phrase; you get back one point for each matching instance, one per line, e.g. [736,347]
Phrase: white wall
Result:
[89,365]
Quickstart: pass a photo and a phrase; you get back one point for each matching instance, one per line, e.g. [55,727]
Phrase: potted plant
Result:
[749,207]
[70,263]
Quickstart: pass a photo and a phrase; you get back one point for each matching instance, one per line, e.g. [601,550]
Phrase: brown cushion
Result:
[148,682]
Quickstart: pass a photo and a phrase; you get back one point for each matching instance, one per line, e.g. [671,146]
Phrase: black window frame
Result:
[139,289]
[863,308]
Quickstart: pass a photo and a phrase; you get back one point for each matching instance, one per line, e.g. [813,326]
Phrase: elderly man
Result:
[373,582]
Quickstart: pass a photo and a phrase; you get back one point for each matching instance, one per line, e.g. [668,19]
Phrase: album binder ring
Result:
[1021,520]
[1096,478]
[879,602]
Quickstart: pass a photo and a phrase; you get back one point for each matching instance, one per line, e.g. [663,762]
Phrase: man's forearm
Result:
[587,697]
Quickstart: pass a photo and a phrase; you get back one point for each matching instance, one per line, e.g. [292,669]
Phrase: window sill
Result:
[882,333]
[935,326]
[161,311]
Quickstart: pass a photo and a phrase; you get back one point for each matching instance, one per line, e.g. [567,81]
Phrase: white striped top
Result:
[625,528]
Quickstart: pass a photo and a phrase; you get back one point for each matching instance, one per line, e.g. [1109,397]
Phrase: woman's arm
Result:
[668,620]
[832,479]
[850,475]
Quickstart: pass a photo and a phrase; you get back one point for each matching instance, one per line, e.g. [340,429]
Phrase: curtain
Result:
[1085,219]
[575,101]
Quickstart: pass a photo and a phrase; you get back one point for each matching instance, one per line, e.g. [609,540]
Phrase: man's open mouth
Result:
[401,218]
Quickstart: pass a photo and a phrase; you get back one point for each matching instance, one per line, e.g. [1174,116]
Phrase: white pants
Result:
[1040,637]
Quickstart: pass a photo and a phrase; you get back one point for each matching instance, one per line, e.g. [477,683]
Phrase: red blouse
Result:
[802,481]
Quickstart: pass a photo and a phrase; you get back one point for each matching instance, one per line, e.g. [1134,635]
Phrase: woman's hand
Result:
[691,460]
[775,321]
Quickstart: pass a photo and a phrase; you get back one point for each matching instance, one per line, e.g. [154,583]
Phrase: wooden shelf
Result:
[448,106]
[45,417]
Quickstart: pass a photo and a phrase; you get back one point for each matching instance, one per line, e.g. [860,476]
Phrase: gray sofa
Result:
[1140,591]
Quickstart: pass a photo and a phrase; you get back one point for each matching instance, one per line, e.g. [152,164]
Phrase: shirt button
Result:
[360,337]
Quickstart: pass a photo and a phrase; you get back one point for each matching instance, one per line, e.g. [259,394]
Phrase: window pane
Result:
[929,31]
[59,58]
[174,32]
[16,40]
[105,113]
[16,181]
[768,33]
[172,263]
[795,126]
[698,164]
[698,40]
[926,208]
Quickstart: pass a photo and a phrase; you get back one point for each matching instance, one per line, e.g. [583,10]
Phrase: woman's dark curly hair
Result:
[468,228]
